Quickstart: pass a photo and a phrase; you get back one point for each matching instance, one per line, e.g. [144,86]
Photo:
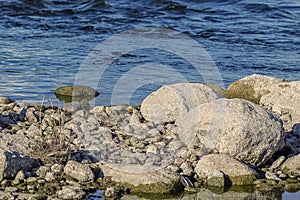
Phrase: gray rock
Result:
[232,195]
[237,172]
[171,101]
[71,192]
[216,179]
[160,181]
[49,177]
[30,116]
[291,166]
[12,162]
[78,171]
[252,87]
[272,176]
[276,164]
[42,171]
[236,127]
[284,100]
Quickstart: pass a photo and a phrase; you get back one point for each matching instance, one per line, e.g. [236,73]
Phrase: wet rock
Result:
[171,101]
[216,179]
[75,93]
[71,192]
[291,166]
[284,101]
[78,171]
[57,168]
[252,87]
[236,127]
[160,181]
[12,162]
[237,172]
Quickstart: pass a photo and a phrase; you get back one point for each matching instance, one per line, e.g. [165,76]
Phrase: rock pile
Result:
[183,135]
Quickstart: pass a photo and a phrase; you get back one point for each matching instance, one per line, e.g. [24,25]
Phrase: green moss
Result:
[155,188]
[243,91]
[243,180]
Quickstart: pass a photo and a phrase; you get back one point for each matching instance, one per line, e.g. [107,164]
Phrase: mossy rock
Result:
[75,93]
[243,179]
[253,87]
[157,188]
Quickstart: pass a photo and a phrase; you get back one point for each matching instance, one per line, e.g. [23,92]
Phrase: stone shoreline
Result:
[186,136]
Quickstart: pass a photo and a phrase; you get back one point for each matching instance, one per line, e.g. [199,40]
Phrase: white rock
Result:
[170,102]
[71,192]
[236,127]
[284,100]
[238,173]
[78,171]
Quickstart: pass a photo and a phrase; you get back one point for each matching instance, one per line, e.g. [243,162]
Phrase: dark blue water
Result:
[44,42]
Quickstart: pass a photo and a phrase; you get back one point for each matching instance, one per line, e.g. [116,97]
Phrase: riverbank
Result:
[184,137]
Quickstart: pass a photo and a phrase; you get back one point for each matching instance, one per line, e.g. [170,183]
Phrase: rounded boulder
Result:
[170,102]
[236,127]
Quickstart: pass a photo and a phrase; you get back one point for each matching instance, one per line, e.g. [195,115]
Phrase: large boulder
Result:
[171,101]
[252,87]
[12,162]
[285,101]
[237,172]
[239,128]
[160,181]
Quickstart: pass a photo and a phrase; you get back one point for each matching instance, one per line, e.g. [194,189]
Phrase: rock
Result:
[239,128]
[237,172]
[42,171]
[5,100]
[172,101]
[78,171]
[57,168]
[160,181]
[296,130]
[230,195]
[75,93]
[6,120]
[12,162]
[71,192]
[216,179]
[284,101]
[272,176]
[291,166]
[49,177]
[252,87]
[276,164]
